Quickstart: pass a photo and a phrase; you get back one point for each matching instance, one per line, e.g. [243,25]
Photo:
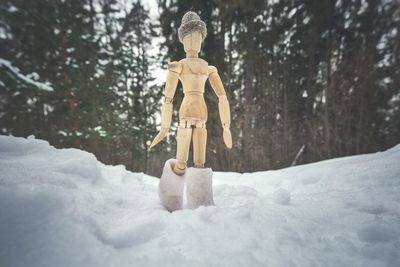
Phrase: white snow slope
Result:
[61,207]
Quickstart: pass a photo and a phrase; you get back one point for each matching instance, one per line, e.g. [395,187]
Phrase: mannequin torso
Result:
[193,77]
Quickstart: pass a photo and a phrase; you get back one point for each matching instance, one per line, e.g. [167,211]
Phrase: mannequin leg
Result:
[184,136]
[199,146]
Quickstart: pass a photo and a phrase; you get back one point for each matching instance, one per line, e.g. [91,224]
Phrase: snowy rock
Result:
[281,196]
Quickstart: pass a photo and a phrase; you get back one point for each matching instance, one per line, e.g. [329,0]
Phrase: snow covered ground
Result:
[61,207]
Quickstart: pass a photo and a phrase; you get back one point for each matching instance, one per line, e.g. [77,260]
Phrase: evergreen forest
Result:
[306,80]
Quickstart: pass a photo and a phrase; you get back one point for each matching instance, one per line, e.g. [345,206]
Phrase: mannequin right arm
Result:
[174,69]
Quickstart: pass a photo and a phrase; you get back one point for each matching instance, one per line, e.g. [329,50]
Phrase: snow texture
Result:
[61,207]
[281,196]
[199,187]
[15,71]
[171,187]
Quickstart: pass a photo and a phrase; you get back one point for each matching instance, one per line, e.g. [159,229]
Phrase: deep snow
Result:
[61,207]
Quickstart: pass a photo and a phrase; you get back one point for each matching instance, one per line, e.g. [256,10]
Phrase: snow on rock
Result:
[61,207]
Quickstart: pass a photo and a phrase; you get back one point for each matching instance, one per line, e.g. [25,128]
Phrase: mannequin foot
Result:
[179,168]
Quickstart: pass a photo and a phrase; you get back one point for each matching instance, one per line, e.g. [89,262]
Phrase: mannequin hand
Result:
[160,136]
[227,137]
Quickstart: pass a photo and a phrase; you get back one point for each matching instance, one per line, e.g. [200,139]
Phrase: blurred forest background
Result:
[306,80]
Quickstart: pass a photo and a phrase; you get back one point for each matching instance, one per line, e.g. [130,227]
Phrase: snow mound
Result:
[281,196]
[61,207]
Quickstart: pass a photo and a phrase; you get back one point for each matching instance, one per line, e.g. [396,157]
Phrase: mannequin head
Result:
[192,33]
[192,43]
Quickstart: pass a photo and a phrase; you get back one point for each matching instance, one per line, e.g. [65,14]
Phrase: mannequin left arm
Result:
[223,104]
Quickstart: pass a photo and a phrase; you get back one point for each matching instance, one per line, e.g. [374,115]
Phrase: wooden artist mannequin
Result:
[192,72]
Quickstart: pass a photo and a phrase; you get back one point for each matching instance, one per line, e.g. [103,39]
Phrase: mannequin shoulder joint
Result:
[175,66]
[211,70]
